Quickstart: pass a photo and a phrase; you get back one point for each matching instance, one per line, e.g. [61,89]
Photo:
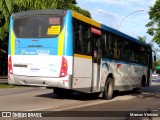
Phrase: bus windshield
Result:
[38,26]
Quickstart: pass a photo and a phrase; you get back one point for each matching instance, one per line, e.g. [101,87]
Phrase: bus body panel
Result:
[41,65]
[63,82]
[126,75]
[82,73]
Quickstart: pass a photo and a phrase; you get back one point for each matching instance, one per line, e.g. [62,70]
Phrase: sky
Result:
[114,11]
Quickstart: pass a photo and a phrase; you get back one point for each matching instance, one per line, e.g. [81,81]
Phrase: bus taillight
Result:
[10,70]
[64,68]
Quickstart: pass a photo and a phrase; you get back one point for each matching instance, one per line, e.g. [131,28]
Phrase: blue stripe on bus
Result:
[9,43]
[122,62]
[68,44]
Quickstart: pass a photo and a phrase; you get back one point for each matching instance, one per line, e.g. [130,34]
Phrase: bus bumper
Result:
[63,82]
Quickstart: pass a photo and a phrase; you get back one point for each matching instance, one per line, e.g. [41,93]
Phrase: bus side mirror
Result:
[154,58]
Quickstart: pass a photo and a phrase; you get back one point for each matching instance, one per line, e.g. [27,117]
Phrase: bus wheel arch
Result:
[142,84]
[108,88]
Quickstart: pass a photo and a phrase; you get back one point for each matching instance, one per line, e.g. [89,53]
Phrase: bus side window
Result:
[105,45]
[119,44]
[111,45]
[125,50]
[77,34]
[86,40]
[81,38]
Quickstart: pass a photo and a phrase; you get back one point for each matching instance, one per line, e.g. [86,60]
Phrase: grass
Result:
[6,85]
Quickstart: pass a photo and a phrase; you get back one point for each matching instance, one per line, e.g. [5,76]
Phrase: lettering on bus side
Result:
[43,52]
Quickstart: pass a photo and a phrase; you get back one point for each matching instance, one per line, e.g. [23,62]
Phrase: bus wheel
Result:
[63,92]
[108,89]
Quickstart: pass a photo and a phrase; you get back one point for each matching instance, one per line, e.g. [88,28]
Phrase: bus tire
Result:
[63,92]
[108,89]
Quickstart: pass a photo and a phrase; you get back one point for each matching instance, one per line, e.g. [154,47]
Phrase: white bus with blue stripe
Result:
[66,51]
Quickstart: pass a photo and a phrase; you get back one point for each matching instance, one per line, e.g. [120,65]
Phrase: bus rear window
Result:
[38,26]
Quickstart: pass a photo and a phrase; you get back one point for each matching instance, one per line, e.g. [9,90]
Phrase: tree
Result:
[143,39]
[6,9]
[35,4]
[154,24]
[50,4]
[156,63]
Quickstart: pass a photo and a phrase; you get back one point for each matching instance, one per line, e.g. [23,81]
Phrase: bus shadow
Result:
[84,96]
[150,92]
[75,96]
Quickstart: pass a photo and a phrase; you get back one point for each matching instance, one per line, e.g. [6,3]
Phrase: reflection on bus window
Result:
[82,38]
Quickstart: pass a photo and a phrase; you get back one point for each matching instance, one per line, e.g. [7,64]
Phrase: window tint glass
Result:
[115,47]
[39,26]
[81,38]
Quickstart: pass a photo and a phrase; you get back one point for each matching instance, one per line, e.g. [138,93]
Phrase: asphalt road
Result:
[41,99]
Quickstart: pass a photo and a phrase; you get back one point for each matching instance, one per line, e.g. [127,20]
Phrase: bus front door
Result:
[96,57]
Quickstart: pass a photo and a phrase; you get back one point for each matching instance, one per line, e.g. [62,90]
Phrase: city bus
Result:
[66,51]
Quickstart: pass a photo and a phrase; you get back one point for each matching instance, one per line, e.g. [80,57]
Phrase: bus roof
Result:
[39,12]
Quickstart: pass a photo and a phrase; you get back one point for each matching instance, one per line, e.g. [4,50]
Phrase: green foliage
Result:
[50,4]
[156,63]
[35,4]
[9,6]
[79,10]
[6,9]
[6,85]
[143,39]
[154,24]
